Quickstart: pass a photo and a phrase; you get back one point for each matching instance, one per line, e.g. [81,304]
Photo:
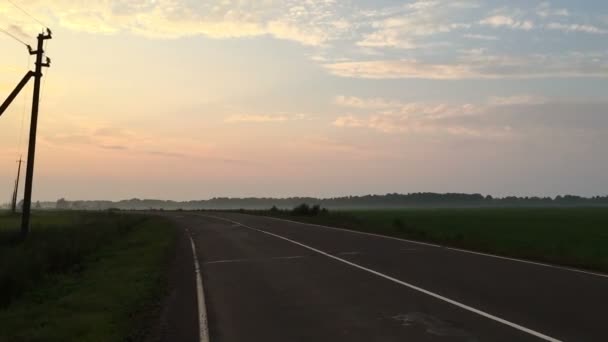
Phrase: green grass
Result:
[82,276]
[576,237]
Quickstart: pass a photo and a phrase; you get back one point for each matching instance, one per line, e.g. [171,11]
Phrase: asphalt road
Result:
[270,280]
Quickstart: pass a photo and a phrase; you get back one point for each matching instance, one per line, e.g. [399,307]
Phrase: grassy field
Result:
[576,237]
[82,276]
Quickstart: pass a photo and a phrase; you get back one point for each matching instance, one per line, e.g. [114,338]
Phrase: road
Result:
[271,280]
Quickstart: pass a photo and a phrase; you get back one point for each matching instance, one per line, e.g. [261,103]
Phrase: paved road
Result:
[270,280]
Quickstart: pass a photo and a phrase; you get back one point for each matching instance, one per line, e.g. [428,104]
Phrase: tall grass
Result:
[57,244]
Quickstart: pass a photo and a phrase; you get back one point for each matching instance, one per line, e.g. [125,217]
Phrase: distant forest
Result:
[388,201]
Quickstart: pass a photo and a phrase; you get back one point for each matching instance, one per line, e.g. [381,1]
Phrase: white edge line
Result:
[203,327]
[563,268]
[413,287]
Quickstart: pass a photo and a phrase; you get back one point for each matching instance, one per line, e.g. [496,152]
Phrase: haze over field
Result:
[193,99]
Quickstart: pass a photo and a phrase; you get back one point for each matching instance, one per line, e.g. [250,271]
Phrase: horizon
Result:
[485,196]
[191,100]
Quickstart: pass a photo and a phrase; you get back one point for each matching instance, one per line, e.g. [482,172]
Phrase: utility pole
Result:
[31,150]
[15,192]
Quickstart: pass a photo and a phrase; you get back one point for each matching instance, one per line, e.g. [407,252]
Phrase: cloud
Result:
[357,102]
[265,118]
[114,139]
[256,118]
[390,116]
[507,21]
[403,27]
[478,65]
[499,119]
[545,10]
[312,22]
[576,28]
[416,118]
[480,36]
[517,100]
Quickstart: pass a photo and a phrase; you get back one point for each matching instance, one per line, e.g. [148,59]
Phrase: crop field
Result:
[576,237]
[81,276]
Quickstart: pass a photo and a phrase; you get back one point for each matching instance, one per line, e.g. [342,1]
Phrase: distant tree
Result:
[37,206]
[62,204]
[302,209]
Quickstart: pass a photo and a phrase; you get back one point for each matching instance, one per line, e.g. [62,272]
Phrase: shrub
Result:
[301,210]
[306,210]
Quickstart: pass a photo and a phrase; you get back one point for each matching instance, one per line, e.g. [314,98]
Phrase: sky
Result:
[184,99]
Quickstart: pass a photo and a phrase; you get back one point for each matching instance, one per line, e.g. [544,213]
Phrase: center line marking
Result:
[413,287]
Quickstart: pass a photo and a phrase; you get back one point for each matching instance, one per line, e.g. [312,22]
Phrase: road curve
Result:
[271,280]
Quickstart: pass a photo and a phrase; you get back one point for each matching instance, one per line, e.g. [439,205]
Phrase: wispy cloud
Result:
[479,36]
[479,65]
[517,100]
[367,103]
[265,118]
[310,23]
[497,118]
[426,119]
[509,22]
[576,28]
[256,118]
[390,116]
[546,10]
[405,26]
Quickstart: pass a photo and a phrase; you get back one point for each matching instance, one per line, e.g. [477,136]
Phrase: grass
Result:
[82,276]
[576,237]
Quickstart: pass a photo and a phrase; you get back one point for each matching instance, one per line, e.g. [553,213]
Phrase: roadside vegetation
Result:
[81,276]
[576,237]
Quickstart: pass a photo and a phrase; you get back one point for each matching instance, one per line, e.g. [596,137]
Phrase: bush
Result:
[301,210]
[306,210]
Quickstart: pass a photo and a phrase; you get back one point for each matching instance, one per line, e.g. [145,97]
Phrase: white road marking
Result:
[355,232]
[395,280]
[530,262]
[253,260]
[200,296]
[563,268]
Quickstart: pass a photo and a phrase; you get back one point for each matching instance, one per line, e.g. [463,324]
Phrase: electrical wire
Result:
[23,115]
[27,13]
[13,36]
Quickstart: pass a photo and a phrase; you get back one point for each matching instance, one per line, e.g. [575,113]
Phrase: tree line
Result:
[394,200]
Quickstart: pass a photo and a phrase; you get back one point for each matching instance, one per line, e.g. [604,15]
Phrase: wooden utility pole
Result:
[15,192]
[31,150]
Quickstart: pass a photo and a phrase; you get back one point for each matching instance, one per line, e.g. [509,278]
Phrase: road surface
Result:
[270,280]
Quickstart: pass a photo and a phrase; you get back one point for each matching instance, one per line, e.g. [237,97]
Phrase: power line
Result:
[13,36]
[26,13]
[23,114]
